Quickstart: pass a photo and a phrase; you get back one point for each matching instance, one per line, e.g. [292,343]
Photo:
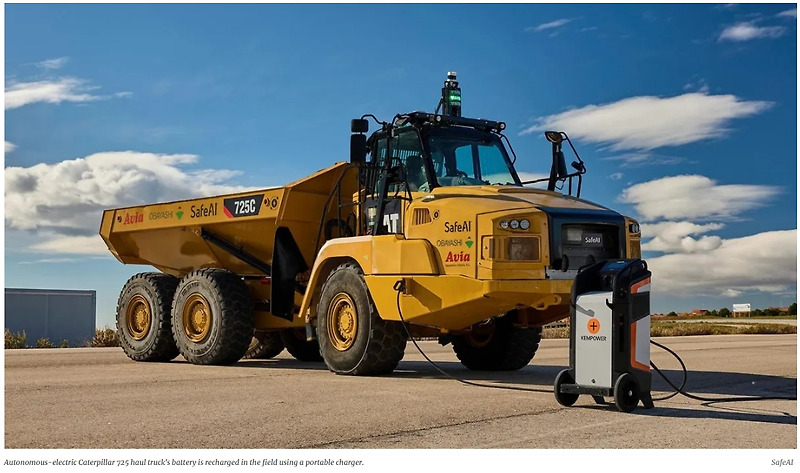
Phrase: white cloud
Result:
[616,176]
[550,25]
[51,261]
[748,31]
[648,122]
[10,146]
[65,89]
[67,198]
[56,63]
[731,293]
[791,13]
[73,245]
[694,197]
[700,86]
[674,237]
[644,158]
[765,262]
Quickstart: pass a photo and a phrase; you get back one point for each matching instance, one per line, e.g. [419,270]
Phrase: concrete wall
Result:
[53,314]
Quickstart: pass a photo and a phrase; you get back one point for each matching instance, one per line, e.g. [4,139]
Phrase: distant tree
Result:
[724,312]
[793,309]
[757,312]
[772,311]
[672,314]
[712,313]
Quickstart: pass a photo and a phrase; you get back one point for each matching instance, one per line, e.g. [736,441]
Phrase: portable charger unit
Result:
[609,350]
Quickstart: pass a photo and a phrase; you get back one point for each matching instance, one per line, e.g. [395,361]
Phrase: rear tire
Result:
[264,345]
[144,317]
[352,337]
[301,349]
[212,317]
[497,347]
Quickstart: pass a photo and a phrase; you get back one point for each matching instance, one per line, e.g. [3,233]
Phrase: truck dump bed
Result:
[179,237]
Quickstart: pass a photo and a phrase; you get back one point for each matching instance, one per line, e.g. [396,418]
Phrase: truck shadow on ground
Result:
[541,378]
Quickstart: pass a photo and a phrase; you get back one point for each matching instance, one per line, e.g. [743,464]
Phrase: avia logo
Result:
[469,242]
[138,217]
[179,214]
[459,257]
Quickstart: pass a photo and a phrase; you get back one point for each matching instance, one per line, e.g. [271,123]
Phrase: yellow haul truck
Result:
[434,235]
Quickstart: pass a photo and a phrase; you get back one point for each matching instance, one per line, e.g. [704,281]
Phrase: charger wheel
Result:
[565,399]
[626,393]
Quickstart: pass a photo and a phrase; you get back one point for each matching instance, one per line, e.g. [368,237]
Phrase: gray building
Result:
[53,314]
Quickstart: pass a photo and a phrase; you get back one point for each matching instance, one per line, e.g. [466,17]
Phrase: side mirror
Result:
[358,148]
[359,125]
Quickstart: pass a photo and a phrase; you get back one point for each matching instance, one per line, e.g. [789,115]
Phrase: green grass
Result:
[15,340]
[105,337]
[677,329]
[667,318]
[667,329]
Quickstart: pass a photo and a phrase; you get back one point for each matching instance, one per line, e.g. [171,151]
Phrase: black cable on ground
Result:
[400,287]
[706,399]
[683,367]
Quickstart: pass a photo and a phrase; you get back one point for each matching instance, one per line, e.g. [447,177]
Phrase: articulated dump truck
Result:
[427,231]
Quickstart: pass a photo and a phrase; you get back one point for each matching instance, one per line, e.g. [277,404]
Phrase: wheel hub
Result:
[196,317]
[138,317]
[481,335]
[342,322]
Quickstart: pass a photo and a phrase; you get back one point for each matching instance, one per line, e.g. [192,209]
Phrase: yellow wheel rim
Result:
[342,322]
[196,317]
[138,317]
[481,335]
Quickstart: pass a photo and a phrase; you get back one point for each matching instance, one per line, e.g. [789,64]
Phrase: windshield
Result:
[469,158]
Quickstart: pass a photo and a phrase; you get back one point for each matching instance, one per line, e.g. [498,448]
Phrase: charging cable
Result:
[706,399]
[400,287]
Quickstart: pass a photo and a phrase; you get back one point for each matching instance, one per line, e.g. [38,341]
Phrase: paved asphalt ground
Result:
[96,398]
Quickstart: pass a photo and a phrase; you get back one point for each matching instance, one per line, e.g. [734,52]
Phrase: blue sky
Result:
[686,116]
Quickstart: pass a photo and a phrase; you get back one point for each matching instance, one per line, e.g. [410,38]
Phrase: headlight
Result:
[524,224]
[523,249]
[504,224]
[634,228]
[514,224]
[574,234]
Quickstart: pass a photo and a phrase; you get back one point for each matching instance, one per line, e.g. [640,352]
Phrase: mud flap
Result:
[287,263]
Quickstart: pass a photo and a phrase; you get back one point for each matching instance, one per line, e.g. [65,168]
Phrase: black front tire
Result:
[301,349]
[212,317]
[144,317]
[353,339]
[500,347]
